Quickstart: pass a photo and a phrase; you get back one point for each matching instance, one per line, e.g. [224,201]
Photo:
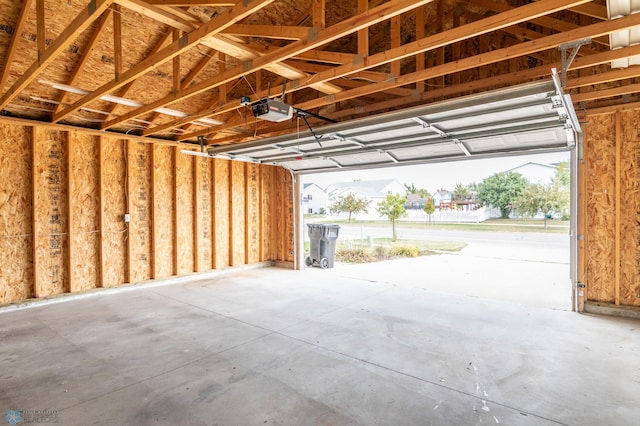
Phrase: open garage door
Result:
[526,119]
[531,118]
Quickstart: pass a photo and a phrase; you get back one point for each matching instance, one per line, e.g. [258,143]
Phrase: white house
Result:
[536,172]
[373,190]
[314,199]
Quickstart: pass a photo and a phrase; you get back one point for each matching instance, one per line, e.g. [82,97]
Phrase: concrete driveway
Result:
[527,268]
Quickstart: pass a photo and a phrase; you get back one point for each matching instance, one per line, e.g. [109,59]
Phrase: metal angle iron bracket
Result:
[568,52]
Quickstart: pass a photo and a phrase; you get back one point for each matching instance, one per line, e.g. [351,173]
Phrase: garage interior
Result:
[143,186]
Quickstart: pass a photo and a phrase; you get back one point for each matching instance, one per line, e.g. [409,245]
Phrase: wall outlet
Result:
[127,218]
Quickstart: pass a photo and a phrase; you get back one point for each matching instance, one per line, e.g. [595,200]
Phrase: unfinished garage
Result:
[151,256]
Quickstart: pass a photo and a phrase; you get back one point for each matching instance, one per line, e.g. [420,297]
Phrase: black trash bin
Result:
[322,247]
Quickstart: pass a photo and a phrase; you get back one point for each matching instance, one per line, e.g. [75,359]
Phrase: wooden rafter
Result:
[41,36]
[80,66]
[614,75]
[285,32]
[222,42]
[127,87]
[591,9]
[544,21]
[15,40]
[218,3]
[216,25]
[433,42]
[606,93]
[521,49]
[117,41]
[494,81]
[348,26]
[84,19]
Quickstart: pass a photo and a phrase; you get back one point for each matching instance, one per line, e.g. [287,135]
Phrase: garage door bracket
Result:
[568,53]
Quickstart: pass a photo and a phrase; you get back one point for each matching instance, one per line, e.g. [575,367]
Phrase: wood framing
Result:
[68,193]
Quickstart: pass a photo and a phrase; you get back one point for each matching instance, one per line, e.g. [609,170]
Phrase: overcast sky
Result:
[435,176]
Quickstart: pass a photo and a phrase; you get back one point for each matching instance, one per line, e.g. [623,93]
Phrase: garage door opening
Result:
[536,118]
[464,248]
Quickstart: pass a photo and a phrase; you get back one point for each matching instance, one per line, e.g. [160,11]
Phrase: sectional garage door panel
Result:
[535,117]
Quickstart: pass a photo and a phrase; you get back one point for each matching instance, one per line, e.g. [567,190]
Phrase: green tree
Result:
[562,177]
[349,204]
[429,208]
[460,192]
[393,208]
[501,190]
[541,198]
[561,184]
[423,193]
[411,189]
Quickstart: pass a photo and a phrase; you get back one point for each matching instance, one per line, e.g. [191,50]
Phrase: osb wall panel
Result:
[630,209]
[163,222]
[288,207]
[267,218]
[184,213]
[50,210]
[84,181]
[221,219]
[252,175]
[284,212]
[599,157]
[602,163]
[204,242]
[114,206]
[140,205]
[16,219]
[237,213]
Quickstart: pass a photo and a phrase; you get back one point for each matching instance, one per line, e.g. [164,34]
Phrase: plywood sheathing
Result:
[612,260]
[140,204]
[16,220]
[84,181]
[267,220]
[630,209]
[252,211]
[115,232]
[187,213]
[184,216]
[203,209]
[221,229]
[237,213]
[599,149]
[50,213]
[164,206]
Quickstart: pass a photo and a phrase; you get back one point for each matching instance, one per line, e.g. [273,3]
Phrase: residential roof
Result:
[532,163]
[369,188]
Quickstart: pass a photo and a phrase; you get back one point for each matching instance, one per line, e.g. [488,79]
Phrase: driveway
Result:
[526,268]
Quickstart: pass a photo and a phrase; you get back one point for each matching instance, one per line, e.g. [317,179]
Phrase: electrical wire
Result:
[250,86]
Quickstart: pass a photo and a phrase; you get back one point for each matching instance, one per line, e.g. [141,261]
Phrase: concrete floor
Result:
[347,346]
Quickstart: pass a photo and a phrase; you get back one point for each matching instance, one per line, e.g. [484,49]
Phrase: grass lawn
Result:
[384,248]
[493,225]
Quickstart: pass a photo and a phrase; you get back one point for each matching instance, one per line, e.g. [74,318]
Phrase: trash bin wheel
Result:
[324,263]
[308,261]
